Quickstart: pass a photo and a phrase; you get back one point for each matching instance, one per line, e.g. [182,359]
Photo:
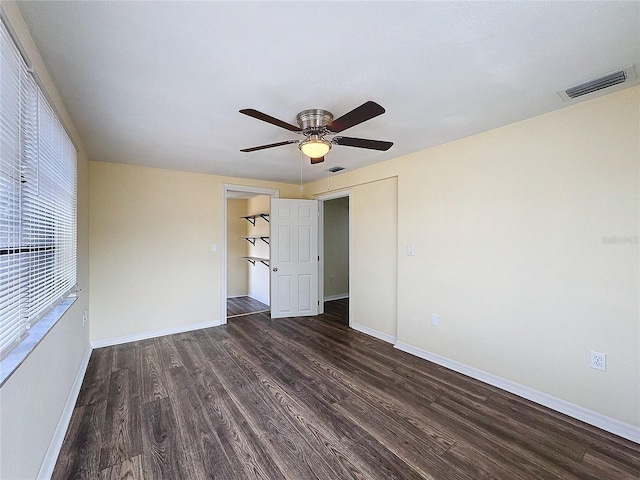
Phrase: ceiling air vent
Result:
[335,169]
[606,81]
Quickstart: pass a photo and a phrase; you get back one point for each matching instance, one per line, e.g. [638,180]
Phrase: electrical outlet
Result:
[435,320]
[599,361]
[85,318]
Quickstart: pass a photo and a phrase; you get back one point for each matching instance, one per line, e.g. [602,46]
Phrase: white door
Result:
[294,257]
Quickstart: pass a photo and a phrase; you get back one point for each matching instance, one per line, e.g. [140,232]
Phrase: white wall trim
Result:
[260,298]
[338,296]
[385,337]
[611,425]
[345,192]
[51,457]
[108,342]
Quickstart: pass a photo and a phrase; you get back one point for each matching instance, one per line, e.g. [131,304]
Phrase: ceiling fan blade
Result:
[262,147]
[269,119]
[364,112]
[316,160]
[362,143]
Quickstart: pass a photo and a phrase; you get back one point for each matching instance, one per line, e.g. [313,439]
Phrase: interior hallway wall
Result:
[259,273]
[336,247]
[237,272]
[374,290]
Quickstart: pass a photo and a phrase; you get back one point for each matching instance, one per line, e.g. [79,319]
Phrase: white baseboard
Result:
[238,296]
[339,296]
[611,425]
[259,298]
[385,337]
[108,342]
[51,457]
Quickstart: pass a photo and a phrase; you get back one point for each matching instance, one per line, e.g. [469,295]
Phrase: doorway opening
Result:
[335,252]
[245,248]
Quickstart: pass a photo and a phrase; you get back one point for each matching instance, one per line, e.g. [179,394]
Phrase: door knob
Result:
[275,269]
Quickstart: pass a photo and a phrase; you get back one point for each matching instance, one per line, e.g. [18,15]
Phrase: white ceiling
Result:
[160,83]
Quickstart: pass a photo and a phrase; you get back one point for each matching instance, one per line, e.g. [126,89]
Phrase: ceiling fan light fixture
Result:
[314,146]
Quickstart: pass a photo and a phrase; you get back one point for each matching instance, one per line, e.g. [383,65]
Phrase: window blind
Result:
[37,202]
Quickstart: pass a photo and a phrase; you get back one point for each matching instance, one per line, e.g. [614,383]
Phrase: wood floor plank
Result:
[309,398]
[303,384]
[153,376]
[121,439]
[237,440]
[130,469]
[511,427]
[508,449]
[169,356]
[417,452]
[338,463]
[381,362]
[234,431]
[209,459]
[164,456]
[79,457]
[620,450]
[482,466]
[95,385]
[608,466]
[378,462]
[292,455]
[244,305]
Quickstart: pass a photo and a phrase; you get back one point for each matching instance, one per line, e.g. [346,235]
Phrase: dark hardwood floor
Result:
[244,305]
[308,398]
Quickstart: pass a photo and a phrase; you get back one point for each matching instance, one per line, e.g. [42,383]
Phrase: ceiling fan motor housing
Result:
[314,121]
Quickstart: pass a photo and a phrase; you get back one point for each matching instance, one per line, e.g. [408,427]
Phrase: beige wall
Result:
[152,266]
[237,274]
[512,231]
[34,397]
[374,219]
[336,246]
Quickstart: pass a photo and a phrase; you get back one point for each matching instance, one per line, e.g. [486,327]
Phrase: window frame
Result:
[38,211]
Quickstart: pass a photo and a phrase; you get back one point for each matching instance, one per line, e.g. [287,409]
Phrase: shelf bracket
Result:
[265,217]
[265,240]
[264,262]
[252,241]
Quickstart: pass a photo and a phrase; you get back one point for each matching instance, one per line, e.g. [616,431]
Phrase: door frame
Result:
[226,189]
[321,199]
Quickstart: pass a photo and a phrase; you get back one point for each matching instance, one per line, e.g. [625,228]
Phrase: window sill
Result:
[37,332]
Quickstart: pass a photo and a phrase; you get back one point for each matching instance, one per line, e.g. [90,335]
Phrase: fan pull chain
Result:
[301,160]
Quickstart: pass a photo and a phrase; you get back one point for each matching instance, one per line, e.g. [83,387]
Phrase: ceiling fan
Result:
[317,124]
